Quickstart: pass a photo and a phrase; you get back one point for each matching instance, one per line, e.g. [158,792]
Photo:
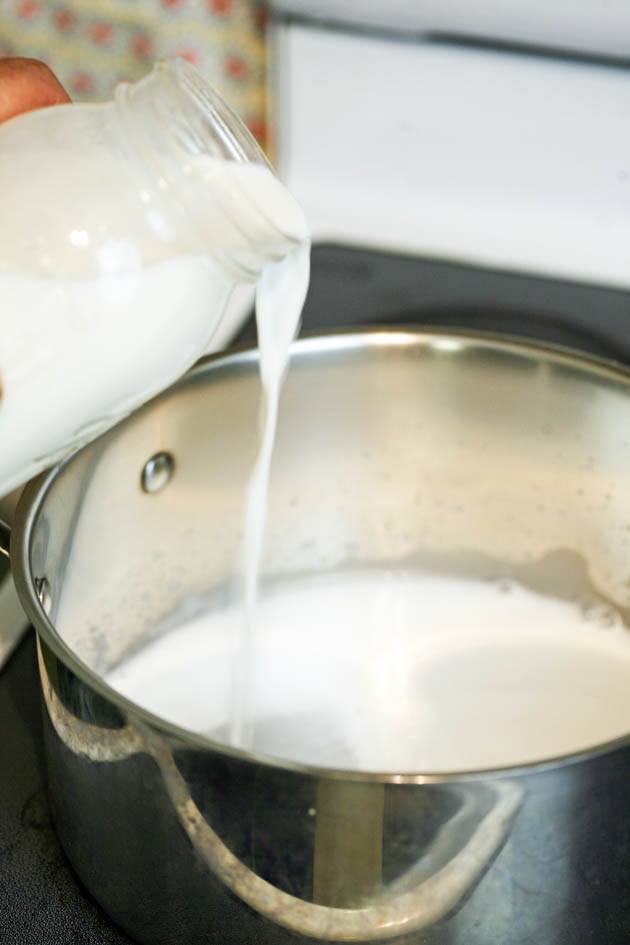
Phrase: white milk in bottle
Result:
[124,228]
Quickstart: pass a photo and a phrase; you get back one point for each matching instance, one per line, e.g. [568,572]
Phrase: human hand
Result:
[26,84]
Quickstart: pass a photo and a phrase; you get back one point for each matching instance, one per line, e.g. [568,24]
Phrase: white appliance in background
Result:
[491,133]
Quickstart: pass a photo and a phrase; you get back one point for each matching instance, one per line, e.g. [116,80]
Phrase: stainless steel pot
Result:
[462,454]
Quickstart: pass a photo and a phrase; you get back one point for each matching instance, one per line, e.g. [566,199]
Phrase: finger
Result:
[26,84]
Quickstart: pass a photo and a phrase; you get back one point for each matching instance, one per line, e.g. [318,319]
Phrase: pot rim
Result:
[455,341]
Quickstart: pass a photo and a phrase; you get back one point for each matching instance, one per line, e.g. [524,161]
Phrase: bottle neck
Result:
[202,158]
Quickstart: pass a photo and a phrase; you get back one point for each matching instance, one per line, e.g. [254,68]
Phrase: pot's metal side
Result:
[191,846]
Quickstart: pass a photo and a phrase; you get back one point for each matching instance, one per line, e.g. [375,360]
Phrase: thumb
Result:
[26,84]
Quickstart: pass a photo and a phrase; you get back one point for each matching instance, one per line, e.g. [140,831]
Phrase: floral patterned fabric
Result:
[93,44]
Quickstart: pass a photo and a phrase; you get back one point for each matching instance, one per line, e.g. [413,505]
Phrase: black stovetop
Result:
[41,901]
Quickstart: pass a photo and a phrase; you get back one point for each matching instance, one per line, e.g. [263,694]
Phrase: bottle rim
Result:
[194,120]
[204,121]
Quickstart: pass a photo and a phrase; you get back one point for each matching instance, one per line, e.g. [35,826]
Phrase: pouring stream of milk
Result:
[277,227]
[279,299]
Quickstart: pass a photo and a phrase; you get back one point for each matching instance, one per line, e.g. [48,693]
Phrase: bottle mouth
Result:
[199,120]
[198,146]
[222,132]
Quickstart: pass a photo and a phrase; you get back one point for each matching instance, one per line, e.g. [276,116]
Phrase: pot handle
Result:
[13,621]
[5,539]
[394,913]
[398,911]
[7,512]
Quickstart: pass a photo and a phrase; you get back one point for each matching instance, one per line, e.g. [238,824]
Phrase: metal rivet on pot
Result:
[158,472]
[42,587]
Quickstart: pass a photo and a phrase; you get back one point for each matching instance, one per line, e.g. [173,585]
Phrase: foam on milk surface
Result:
[379,671]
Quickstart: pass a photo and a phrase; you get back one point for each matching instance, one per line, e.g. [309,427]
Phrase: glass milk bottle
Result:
[124,227]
